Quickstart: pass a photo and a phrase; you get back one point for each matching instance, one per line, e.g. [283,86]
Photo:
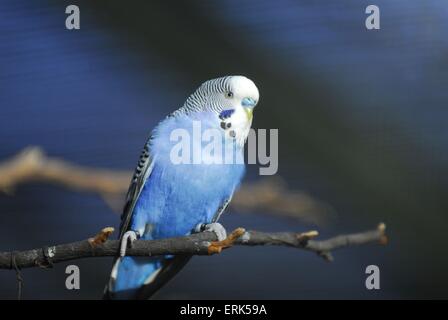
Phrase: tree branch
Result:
[266,195]
[197,244]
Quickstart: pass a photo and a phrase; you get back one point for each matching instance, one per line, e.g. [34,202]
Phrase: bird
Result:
[170,199]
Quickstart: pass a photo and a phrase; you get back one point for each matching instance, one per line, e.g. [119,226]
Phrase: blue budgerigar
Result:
[169,198]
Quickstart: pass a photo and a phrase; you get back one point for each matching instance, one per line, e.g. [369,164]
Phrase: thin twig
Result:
[269,195]
[195,244]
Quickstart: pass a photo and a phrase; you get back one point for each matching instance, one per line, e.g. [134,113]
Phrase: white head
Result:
[242,98]
[223,93]
[235,96]
[241,92]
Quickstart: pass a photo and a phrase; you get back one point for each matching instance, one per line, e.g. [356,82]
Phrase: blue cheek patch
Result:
[226,114]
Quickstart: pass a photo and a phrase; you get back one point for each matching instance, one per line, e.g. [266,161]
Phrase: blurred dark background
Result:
[362,118]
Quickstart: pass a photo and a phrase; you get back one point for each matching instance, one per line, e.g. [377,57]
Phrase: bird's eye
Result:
[229,94]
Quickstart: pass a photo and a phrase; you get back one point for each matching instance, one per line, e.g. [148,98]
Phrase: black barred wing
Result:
[221,209]
[142,172]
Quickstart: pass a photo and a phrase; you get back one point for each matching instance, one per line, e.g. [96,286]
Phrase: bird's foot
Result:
[215,227]
[130,236]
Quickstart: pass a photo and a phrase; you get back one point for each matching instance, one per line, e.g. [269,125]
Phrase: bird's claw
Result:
[215,227]
[130,236]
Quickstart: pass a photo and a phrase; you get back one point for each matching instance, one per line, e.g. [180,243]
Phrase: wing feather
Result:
[141,174]
[222,208]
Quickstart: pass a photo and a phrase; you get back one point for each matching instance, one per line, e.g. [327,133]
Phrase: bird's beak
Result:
[248,105]
[249,113]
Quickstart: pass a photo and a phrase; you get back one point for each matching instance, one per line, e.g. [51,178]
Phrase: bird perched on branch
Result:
[184,180]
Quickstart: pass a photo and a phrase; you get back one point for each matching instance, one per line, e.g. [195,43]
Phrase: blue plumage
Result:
[168,200]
